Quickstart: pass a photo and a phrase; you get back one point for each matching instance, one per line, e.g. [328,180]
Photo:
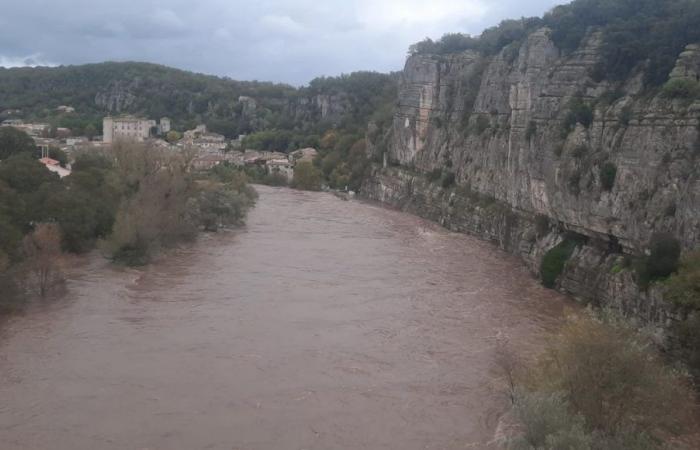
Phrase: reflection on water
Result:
[324,324]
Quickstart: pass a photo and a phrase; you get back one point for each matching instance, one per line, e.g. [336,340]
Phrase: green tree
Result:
[306,177]
[173,136]
[14,141]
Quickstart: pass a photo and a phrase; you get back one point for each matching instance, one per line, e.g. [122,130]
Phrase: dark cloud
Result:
[288,41]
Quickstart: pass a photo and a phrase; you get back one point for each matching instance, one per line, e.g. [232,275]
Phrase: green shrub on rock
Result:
[608,172]
[681,88]
[664,257]
[554,261]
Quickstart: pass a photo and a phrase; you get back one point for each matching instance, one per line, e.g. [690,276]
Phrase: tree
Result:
[221,205]
[14,141]
[173,136]
[90,131]
[156,210]
[25,174]
[306,177]
[43,257]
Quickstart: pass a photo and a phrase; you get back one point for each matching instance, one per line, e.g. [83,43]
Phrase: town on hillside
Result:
[211,148]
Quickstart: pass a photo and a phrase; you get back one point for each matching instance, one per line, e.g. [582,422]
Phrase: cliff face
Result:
[537,148]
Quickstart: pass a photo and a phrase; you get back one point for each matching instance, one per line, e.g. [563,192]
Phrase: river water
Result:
[323,324]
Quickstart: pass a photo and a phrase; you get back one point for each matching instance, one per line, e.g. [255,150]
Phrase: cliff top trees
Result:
[647,34]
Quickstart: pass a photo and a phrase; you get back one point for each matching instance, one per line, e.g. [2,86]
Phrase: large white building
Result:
[131,128]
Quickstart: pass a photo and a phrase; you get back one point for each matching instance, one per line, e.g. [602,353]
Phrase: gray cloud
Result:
[278,40]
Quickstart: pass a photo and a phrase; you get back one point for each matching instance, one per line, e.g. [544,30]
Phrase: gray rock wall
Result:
[499,125]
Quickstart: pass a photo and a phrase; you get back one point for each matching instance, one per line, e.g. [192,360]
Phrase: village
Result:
[211,149]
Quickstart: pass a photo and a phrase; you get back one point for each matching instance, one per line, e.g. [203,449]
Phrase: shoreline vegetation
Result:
[131,201]
[600,383]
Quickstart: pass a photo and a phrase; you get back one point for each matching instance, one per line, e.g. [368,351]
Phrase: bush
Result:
[601,385]
[625,115]
[554,261]
[548,424]
[579,151]
[608,172]
[434,175]
[574,183]
[578,112]
[664,257]
[531,130]
[480,125]
[681,88]
[683,291]
[448,180]
[541,225]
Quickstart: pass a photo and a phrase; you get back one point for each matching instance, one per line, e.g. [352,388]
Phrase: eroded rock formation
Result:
[539,148]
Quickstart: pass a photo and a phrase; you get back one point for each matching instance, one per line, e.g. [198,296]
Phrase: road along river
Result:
[324,324]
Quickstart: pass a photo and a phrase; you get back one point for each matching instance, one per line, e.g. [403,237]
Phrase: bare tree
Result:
[509,365]
[43,256]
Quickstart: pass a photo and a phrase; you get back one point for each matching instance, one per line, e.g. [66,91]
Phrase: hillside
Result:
[227,106]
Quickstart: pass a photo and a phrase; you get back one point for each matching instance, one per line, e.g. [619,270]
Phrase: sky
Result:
[290,41]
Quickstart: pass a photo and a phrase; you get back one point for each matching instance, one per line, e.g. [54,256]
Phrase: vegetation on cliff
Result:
[683,291]
[637,34]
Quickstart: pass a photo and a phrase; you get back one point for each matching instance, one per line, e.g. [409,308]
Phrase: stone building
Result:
[130,127]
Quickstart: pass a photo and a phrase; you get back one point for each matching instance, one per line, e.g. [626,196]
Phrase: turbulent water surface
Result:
[324,324]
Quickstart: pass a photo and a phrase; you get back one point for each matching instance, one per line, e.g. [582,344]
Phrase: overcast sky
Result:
[289,41]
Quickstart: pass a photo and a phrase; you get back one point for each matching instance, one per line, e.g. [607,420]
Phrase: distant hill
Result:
[228,106]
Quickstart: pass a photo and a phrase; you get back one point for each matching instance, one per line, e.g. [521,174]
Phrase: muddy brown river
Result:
[324,324]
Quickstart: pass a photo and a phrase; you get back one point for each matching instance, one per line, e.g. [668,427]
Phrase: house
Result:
[65,109]
[73,141]
[53,165]
[204,141]
[206,162]
[63,133]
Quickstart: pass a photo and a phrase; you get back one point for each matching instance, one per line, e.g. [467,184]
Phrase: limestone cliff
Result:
[538,148]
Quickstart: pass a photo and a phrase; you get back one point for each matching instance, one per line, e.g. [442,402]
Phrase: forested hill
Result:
[225,105]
